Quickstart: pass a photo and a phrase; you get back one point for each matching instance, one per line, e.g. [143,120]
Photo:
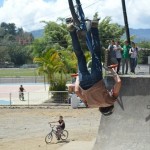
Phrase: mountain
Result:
[37,33]
[140,34]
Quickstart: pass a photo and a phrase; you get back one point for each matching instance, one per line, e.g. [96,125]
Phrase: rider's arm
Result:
[62,123]
[77,88]
[78,91]
[117,85]
[53,122]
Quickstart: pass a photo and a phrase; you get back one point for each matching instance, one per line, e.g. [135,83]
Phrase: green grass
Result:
[17,72]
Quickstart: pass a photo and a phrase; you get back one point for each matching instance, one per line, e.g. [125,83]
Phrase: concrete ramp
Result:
[128,128]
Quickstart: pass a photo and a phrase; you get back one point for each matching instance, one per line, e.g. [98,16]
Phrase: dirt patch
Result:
[25,129]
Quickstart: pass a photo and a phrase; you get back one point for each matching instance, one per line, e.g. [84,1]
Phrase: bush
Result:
[59,85]
[143,56]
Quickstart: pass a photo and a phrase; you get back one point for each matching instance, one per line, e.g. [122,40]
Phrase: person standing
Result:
[112,53]
[118,50]
[133,57]
[125,57]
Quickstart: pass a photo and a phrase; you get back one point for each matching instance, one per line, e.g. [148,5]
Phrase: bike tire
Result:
[48,138]
[73,13]
[64,135]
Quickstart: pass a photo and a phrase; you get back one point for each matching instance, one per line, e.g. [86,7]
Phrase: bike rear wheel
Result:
[64,135]
[21,96]
[74,11]
[48,138]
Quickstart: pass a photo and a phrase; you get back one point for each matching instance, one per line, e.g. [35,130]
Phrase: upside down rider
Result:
[90,86]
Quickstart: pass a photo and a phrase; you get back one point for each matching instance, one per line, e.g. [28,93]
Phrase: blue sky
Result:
[1,2]
[29,13]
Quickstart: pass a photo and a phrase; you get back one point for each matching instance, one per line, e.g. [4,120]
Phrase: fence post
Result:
[149,63]
[28,99]
[10,98]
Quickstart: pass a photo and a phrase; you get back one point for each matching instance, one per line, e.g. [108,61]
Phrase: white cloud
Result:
[29,13]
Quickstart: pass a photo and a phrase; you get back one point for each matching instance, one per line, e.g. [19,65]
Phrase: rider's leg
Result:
[96,69]
[58,132]
[127,64]
[84,75]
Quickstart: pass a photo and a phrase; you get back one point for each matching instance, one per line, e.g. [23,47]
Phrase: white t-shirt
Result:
[118,51]
[133,52]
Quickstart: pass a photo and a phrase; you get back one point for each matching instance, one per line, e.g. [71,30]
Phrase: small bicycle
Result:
[49,136]
[21,96]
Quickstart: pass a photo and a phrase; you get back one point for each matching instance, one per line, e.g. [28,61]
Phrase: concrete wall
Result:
[132,85]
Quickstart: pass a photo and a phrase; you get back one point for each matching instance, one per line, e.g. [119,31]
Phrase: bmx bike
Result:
[80,22]
[63,134]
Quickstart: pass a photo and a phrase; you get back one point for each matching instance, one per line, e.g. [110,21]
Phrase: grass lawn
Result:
[17,72]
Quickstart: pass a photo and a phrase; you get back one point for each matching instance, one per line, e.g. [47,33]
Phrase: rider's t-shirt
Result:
[97,95]
[21,89]
[62,124]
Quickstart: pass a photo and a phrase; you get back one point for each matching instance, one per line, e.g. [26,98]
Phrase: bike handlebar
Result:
[52,126]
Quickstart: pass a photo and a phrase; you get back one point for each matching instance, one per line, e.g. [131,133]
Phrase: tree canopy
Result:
[12,44]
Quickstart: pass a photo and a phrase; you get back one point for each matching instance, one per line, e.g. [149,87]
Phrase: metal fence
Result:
[35,98]
[34,79]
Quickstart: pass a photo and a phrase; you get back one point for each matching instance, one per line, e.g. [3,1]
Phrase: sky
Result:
[28,14]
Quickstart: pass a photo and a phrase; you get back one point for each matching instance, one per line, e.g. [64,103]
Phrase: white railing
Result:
[34,98]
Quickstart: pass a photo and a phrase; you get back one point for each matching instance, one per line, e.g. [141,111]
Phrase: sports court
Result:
[35,93]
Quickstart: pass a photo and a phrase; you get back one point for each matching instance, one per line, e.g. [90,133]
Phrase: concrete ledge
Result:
[131,85]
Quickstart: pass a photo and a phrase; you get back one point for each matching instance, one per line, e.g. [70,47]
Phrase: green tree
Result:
[109,31]
[12,44]
[55,34]
[144,52]
[52,62]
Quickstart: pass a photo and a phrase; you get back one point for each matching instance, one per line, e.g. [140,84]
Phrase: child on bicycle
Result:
[21,92]
[60,127]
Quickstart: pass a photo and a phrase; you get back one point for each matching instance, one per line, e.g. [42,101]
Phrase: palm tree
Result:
[52,62]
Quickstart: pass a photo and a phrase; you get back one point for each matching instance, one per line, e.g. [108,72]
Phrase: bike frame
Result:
[83,27]
[53,132]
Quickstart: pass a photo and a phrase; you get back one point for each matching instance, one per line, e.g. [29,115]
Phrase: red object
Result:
[113,66]
[74,75]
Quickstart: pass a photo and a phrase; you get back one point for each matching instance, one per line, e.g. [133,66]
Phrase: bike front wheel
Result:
[48,138]
[64,135]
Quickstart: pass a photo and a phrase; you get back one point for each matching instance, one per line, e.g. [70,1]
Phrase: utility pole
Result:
[126,20]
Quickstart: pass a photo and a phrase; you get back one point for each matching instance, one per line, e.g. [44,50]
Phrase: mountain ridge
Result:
[140,34]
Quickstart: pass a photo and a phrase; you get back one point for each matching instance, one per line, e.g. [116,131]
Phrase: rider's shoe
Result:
[91,24]
[94,23]
[70,25]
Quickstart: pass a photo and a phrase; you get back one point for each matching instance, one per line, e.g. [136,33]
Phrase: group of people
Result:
[126,55]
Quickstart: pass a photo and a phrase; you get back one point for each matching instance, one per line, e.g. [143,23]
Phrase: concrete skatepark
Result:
[128,128]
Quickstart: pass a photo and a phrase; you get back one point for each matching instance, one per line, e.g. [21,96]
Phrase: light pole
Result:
[126,20]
